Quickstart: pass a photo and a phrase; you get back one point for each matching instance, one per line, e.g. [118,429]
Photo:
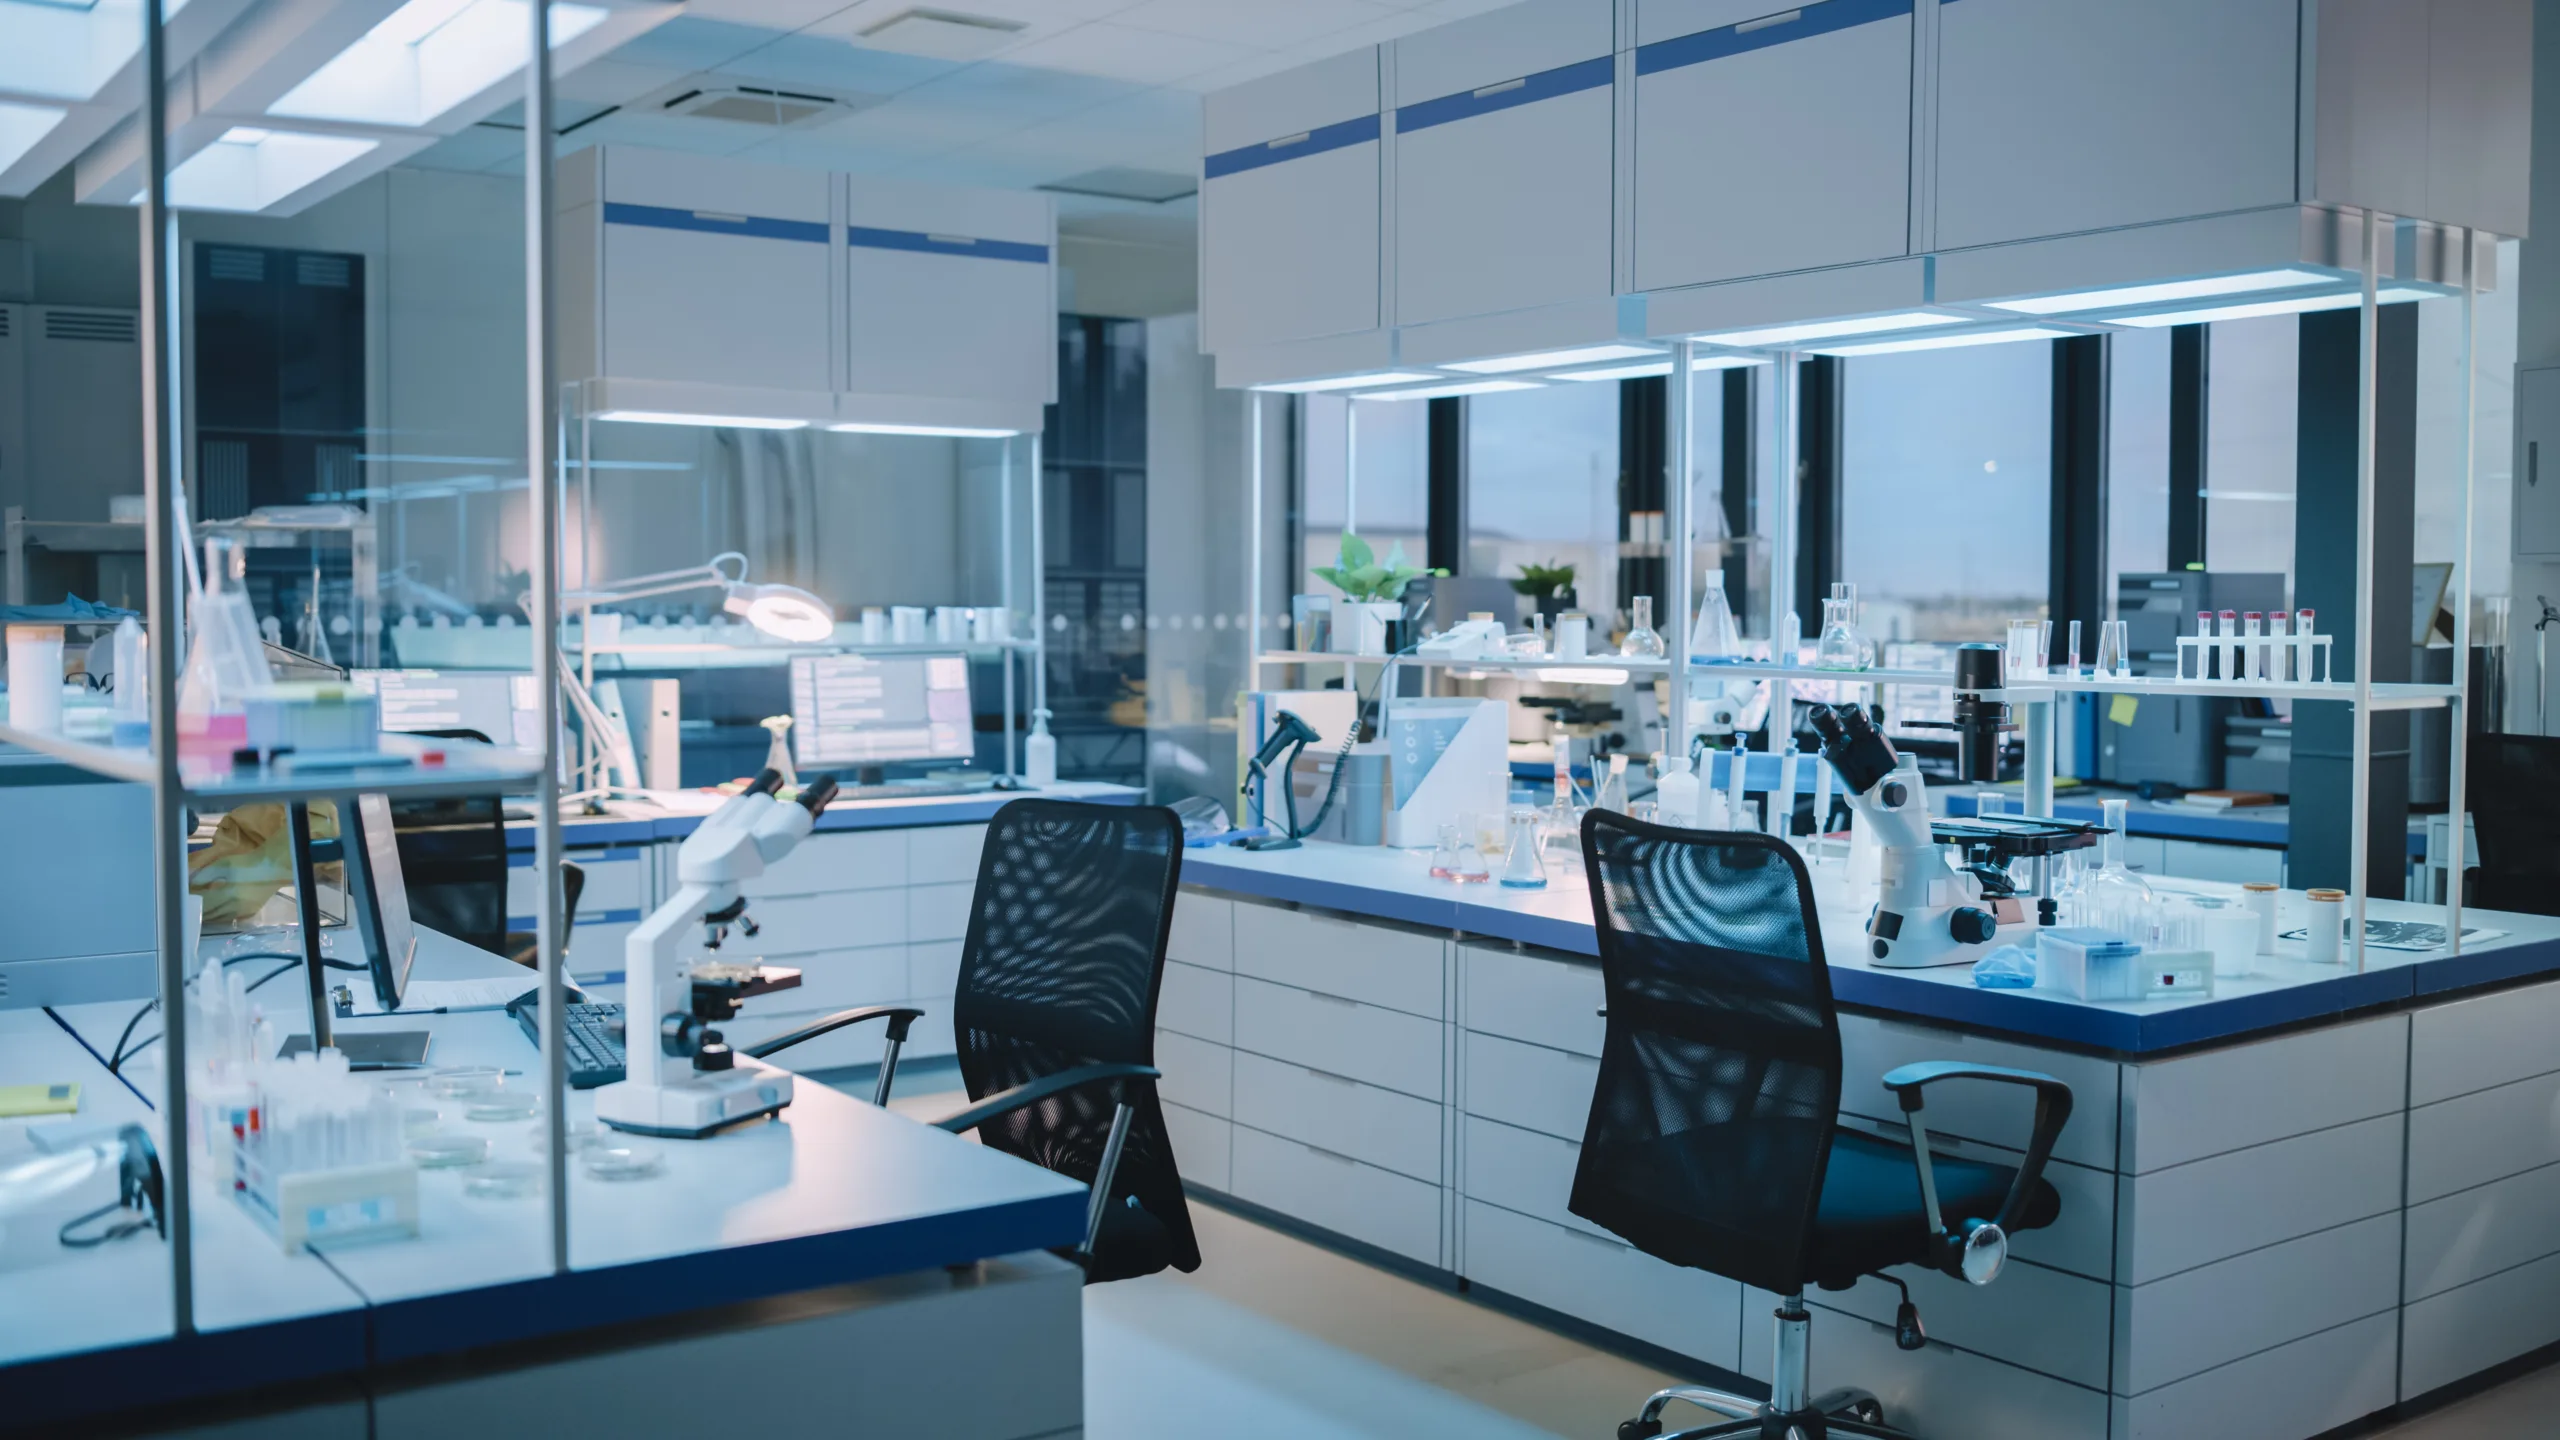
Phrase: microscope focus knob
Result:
[1971,926]
[1891,794]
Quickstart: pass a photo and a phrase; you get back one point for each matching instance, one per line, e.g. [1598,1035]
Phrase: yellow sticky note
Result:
[57,1099]
[2120,708]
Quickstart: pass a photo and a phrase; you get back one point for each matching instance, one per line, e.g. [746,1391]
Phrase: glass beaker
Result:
[1714,635]
[2111,656]
[1444,855]
[1523,867]
[1839,647]
[2020,660]
[1612,791]
[2115,899]
[1643,642]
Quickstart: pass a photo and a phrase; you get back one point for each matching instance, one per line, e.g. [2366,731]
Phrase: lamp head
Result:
[785,612]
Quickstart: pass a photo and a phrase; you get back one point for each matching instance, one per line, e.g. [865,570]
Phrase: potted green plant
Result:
[1372,594]
[1549,588]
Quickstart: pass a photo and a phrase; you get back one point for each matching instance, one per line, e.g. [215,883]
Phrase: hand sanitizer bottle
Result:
[1039,754]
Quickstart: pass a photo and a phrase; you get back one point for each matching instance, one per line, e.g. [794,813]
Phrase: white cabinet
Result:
[1503,161]
[696,269]
[948,295]
[1768,142]
[2537,474]
[1289,201]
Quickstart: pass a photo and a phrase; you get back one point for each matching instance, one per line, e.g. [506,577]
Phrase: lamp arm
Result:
[664,582]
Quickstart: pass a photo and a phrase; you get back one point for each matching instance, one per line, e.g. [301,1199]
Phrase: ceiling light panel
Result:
[1550,359]
[21,126]
[1443,392]
[1697,364]
[2164,292]
[248,170]
[2296,305]
[1347,382]
[955,432]
[1958,341]
[65,50]
[1777,335]
[712,422]
[426,58]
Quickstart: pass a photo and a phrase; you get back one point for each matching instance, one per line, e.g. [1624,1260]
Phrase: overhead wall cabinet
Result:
[1769,142]
[700,285]
[1289,199]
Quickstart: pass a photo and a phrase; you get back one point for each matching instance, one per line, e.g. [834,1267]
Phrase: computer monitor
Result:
[379,898]
[865,711]
[501,704]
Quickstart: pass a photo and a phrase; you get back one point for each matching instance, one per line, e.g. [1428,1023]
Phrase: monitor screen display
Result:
[381,898]
[871,710]
[501,704]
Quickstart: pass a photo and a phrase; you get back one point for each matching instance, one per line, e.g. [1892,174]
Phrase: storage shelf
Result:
[1749,670]
[2386,696]
[468,769]
[85,537]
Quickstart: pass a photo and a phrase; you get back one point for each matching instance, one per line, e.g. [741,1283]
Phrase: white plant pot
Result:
[1360,627]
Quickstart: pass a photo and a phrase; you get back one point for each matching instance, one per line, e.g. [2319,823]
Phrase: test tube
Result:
[2279,647]
[1821,800]
[1740,759]
[2204,648]
[2302,646]
[2227,629]
[2253,665]
[2071,653]
[1782,801]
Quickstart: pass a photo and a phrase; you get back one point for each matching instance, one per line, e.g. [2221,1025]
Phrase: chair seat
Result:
[1870,1216]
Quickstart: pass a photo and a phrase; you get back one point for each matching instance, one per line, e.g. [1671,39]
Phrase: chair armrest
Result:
[1032,1092]
[2053,1110]
[898,1016]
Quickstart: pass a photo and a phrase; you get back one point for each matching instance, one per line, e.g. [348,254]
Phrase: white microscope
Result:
[1927,913]
[684,1081]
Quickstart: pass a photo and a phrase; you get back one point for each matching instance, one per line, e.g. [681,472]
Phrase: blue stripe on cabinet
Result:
[714,222]
[1545,85]
[589,917]
[868,238]
[1821,18]
[1291,147]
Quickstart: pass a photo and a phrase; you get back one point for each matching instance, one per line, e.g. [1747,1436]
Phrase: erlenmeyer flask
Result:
[1714,636]
[2115,898]
[1522,866]
[1643,642]
[1839,647]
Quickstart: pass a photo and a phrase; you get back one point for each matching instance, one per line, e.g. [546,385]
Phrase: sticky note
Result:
[2120,708]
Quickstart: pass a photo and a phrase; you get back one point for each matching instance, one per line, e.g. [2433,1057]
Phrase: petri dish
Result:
[419,1119]
[503,1180]
[580,1136]
[445,1152]
[456,1081]
[500,1105]
[623,1162]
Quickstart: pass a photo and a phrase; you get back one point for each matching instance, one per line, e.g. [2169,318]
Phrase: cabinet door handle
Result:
[2533,462]
[952,239]
[1784,17]
[1334,1155]
[1329,1075]
[1285,141]
[721,217]
[1619,1246]
[1333,999]
[1506,85]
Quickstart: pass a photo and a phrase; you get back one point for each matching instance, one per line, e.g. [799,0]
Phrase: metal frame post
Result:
[1253,543]
[2458,705]
[1678,553]
[160,542]
[541,436]
[1039,585]
[1004,592]
[2360,790]
[1782,536]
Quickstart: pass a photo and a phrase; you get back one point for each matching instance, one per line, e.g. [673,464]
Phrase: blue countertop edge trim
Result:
[1336,136]
[61,1389]
[757,227]
[1726,41]
[423,1326]
[1544,85]
[582,834]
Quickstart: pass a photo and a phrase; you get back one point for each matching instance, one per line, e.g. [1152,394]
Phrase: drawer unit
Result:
[844,860]
[2479,1232]
[836,1050]
[1202,1146]
[1196,1002]
[933,969]
[2001,1115]
[615,887]
[1335,1192]
[2313,1385]
[2082,1240]
[1522,1171]
[2474,1044]
[1387,1048]
[949,292]
[2483,1136]
[1530,997]
[1376,964]
[1941,1390]
[1203,932]
[2199,1319]
[2042,1320]
[2460,1332]
[2180,1110]
[2207,1210]
[1196,1073]
[1333,1112]
[1548,1091]
[1604,1281]
[2230,864]
[944,854]
[1290,214]
[938,912]
[1735,175]
[839,980]
[804,924]
[1505,124]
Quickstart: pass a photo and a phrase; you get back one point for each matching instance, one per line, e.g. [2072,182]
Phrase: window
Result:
[1542,486]
[1383,446]
[1946,499]
[2137,455]
[2252,398]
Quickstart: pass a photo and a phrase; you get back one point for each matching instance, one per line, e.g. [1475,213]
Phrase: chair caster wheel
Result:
[1639,1429]
[1866,1412]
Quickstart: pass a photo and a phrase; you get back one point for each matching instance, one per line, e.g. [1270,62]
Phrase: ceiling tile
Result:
[1256,23]
[785,15]
[1021,91]
[1250,68]
[477,148]
[685,45]
[612,82]
[828,64]
[1149,56]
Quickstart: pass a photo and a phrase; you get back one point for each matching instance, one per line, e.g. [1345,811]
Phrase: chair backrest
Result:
[1719,1083]
[1061,968]
[2514,785]
[453,857]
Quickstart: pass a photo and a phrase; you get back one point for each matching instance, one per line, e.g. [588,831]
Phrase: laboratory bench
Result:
[809,1254]
[2307,1198]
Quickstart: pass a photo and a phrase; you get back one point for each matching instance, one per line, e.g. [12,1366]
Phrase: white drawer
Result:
[852,1045]
[1523,1171]
[1606,1282]
[840,980]
[933,969]
[1197,1002]
[1939,1391]
[2207,1210]
[944,854]
[2081,1240]
[2462,1332]
[2306,1388]
[1203,1146]
[2475,1233]
[611,881]
[1333,1112]
[1196,1073]
[1528,1085]
[1204,931]
[1371,963]
[1335,1192]
[2250,1094]
[2045,1320]
[804,924]
[1978,1109]
[1365,1042]
[842,860]
[2214,1314]
[938,912]
[2483,1136]
[2492,1040]
[1533,998]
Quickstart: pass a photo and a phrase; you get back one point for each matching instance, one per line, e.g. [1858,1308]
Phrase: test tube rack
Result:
[2203,658]
[354,1202]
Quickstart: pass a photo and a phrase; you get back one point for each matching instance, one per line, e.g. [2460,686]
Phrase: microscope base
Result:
[701,1104]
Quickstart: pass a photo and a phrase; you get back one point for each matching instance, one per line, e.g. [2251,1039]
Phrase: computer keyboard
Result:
[592,1031]
[910,790]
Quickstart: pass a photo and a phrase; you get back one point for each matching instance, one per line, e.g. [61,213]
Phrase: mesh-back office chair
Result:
[2514,785]
[1056,1018]
[1714,1139]
[453,862]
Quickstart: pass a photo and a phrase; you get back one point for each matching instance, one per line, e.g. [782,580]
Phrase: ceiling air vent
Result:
[754,105]
[116,325]
[942,34]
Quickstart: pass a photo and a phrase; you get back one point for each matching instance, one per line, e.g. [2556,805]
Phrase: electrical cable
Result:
[117,1057]
[1350,737]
